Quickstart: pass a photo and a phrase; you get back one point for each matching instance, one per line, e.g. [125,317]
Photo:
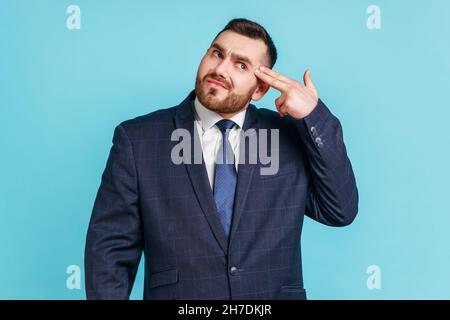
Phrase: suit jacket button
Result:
[233,270]
[314,131]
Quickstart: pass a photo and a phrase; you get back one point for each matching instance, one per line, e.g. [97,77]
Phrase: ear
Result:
[260,90]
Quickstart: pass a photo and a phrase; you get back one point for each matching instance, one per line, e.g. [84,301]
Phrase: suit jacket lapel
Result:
[245,171]
[197,173]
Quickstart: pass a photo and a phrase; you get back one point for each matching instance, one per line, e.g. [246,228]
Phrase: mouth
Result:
[215,84]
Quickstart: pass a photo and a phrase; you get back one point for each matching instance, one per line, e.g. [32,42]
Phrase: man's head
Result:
[226,81]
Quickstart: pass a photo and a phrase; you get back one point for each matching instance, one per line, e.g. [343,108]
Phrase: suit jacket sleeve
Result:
[114,238]
[332,194]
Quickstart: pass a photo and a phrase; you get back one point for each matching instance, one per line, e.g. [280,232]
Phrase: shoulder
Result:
[149,123]
[272,119]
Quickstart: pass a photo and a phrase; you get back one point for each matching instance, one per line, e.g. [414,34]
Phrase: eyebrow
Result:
[235,56]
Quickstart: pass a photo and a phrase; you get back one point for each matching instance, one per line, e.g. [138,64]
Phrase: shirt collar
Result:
[209,118]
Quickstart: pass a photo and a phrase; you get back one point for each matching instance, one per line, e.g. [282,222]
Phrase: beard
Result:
[208,97]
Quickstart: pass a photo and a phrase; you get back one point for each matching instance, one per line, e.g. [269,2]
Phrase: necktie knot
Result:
[225,124]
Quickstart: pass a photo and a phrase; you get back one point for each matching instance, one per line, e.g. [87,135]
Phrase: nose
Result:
[222,69]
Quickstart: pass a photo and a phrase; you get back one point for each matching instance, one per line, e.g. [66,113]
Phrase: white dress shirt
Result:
[211,136]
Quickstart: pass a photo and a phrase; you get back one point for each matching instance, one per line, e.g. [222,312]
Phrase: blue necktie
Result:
[225,177]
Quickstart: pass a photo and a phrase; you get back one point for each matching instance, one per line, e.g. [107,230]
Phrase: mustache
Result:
[217,78]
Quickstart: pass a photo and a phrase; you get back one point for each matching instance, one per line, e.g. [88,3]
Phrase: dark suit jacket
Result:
[148,204]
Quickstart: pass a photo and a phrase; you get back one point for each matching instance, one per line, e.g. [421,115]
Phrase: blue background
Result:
[63,91]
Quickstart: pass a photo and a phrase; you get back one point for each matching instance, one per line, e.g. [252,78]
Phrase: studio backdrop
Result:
[71,71]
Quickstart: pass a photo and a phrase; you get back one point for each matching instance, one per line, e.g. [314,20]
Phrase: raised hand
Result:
[296,99]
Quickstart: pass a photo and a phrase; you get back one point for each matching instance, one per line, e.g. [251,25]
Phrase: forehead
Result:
[254,49]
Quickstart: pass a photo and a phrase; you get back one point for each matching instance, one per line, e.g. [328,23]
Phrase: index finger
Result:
[276,75]
[271,81]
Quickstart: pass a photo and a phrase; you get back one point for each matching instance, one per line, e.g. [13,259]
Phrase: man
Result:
[220,229]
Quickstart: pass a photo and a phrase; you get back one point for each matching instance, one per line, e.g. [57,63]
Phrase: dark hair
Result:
[252,30]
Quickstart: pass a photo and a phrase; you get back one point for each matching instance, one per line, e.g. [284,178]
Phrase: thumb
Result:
[308,81]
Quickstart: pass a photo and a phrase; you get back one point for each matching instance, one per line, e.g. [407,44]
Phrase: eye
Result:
[217,53]
[242,66]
